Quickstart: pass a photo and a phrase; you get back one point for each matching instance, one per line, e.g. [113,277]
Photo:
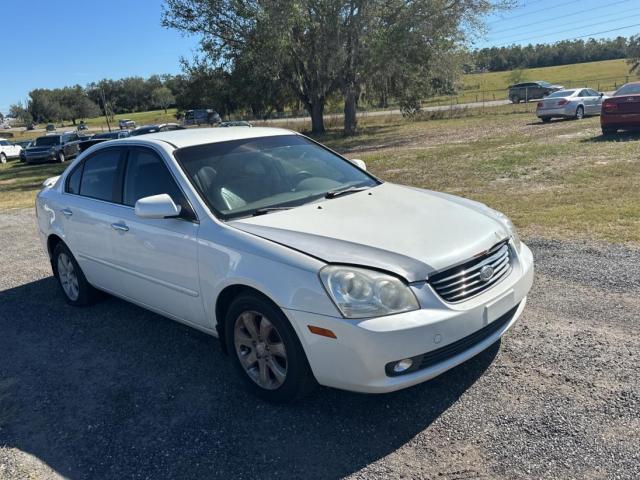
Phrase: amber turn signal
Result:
[323,332]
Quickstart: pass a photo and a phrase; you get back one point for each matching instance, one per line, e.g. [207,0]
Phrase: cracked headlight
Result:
[362,293]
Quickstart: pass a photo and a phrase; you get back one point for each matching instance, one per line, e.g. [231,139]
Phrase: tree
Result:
[297,39]
[323,46]
[633,52]
[17,110]
[515,76]
[163,98]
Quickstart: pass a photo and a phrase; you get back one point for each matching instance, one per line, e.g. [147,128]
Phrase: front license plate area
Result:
[498,307]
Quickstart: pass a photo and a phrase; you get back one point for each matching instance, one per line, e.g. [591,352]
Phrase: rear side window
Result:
[148,175]
[100,175]
[73,181]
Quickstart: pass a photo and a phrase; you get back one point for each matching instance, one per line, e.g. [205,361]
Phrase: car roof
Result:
[202,136]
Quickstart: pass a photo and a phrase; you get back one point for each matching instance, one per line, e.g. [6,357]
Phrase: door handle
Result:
[121,227]
[66,212]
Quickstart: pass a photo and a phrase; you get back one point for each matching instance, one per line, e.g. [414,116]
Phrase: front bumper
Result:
[40,158]
[357,358]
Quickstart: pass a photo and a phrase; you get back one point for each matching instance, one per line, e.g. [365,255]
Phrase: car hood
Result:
[407,231]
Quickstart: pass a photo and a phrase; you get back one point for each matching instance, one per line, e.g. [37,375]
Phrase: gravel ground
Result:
[113,391]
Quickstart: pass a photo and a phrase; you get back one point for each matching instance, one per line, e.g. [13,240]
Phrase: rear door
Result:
[157,259]
[89,208]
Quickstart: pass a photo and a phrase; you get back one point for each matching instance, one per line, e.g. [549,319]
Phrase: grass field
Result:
[557,180]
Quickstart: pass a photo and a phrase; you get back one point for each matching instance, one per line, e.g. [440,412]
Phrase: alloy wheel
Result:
[68,277]
[260,350]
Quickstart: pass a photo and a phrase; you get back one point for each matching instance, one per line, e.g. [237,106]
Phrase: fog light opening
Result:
[403,365]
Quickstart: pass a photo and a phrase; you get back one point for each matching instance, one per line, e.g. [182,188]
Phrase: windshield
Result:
[628,89]
[240,177]
[561,93]
[544,84]
[46,141]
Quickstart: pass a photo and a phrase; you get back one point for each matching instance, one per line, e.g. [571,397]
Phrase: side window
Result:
[584,93]
[148,175]
[100,175]
[73,180]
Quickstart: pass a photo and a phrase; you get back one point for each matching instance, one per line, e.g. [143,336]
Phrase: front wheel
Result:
[77,291]
[266,350]
[579,112]
[545,119]
[3,158]
[607,132]
[515,99]
[61,158]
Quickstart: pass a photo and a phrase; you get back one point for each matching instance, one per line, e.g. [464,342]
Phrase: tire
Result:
[279,377]
[608,132]
[75,288]
[61,158]
[545,119]
[3,158]
[515,99]
[579,113]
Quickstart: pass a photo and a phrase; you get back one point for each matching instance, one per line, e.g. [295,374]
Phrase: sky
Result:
[548,21]
[55,43]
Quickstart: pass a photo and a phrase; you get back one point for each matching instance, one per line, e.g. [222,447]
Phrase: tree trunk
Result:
[317,117]
[350,117]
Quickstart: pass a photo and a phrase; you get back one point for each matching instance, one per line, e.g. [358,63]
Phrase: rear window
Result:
[47,141]
[561,93]
[629,89]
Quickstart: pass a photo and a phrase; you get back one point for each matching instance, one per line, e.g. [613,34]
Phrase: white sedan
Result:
[576,104]
[306,267]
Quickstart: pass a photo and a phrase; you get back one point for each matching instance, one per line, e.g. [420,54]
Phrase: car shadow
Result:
[625,136]
[114,391]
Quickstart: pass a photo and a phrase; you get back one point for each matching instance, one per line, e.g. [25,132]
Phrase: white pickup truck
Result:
[8,150]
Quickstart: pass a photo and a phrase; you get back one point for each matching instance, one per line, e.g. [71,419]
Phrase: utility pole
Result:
[104,107]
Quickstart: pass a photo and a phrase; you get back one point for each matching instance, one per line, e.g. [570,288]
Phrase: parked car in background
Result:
[622,110]
[8,150]
[531,91]
[125,123]
[53,148]
[576,103]
[235,123]
[24,145]
[163,127]
[306,267]
[50,127]
[102,137]
[201,116]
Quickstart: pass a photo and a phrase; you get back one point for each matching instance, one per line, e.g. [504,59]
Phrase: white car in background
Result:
[8,150]
[576,103]
[306,267]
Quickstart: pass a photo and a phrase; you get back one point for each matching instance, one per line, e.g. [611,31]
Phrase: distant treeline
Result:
[497,59]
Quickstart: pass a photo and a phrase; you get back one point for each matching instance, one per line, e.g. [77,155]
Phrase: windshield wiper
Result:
[344,191]
[265,210]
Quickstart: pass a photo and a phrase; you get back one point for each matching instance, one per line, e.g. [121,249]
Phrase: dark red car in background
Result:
[622,110]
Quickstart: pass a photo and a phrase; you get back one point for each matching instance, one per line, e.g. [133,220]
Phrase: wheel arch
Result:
[224,300]
[52,242]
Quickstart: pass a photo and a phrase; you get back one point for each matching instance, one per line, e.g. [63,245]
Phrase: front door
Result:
[157,258]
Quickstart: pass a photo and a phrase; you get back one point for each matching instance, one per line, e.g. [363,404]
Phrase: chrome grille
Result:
[468,280]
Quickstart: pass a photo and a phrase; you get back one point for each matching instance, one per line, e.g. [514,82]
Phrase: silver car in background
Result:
[575,103]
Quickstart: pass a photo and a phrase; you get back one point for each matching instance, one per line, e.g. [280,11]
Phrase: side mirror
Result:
[602,94]
[359,163]
[157,206]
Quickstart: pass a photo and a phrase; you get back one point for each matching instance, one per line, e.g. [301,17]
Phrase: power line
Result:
[581,36]
[552,19]
[535,11]
[572,29]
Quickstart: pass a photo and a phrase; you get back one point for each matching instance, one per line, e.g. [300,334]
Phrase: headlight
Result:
[361,293]
[512,230]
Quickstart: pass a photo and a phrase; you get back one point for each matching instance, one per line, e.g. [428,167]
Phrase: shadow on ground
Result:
[626,136]
[114,391]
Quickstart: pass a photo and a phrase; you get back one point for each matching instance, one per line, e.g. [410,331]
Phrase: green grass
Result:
[141,118]
[560,180]
[603,76]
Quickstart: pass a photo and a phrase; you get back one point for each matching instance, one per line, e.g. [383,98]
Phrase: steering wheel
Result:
[299,177]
